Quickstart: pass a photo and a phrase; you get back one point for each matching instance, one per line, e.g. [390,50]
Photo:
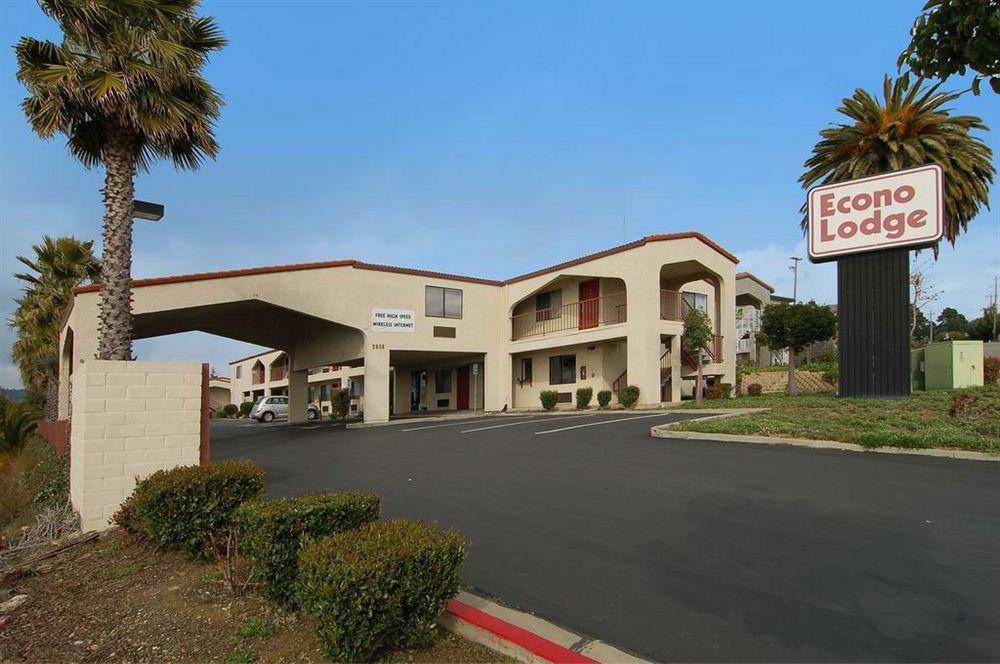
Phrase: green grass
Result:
[255,629]
[922,421]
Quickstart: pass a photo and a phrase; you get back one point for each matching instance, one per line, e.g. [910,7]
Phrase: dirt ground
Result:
[112,599]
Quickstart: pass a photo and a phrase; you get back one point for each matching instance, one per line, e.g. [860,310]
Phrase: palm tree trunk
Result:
[793,386]
[52,399]
[115,308]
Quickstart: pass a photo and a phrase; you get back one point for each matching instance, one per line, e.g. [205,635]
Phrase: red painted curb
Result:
[530,641]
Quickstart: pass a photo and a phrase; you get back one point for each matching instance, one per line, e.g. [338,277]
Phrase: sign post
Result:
[869,226]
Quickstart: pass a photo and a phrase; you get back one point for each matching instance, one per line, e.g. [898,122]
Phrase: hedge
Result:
[272,532]
[583,396]
[380,587]
[629,396]
[245,408]
[549,399]
[604,398]
[754,389]
[341,403]
[184,508]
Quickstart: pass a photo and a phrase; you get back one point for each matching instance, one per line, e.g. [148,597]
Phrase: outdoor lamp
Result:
[146,210]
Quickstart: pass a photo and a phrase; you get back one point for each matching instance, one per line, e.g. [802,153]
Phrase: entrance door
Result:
[590,291]
[462,389]
[416,377]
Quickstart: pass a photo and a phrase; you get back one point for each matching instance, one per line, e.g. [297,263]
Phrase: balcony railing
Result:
[257,377]
[583,315]
[279,372]
[672,305]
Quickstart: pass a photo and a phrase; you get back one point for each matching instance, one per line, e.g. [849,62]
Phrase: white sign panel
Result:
[393,320]
[900,209]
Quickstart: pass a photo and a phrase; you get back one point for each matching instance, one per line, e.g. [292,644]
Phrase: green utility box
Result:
[953,364]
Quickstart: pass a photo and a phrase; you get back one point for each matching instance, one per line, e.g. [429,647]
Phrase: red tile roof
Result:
[748,275]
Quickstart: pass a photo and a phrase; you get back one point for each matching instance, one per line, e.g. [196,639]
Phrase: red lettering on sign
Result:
[895,225]
[917,218]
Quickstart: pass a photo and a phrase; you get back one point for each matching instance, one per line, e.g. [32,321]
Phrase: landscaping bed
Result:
[922,421]
[114,599]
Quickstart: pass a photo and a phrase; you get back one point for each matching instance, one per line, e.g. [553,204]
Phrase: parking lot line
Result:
[529,421]
[450,424]
[597,424]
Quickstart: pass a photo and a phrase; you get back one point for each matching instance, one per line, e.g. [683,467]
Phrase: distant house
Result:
[218,392]
[753,295]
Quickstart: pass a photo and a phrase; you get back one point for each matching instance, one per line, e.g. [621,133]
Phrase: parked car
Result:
[268,409]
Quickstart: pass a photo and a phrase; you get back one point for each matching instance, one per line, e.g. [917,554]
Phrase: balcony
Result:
[583,315]
[672,305]
[279,372]
[257,377]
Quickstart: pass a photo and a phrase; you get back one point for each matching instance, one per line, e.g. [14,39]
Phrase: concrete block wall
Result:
[130,419]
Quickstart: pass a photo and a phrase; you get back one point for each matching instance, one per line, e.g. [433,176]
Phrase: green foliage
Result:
[952,35]
[255,629]
[629,396]
[272,532]
[909,129]
[231,409]
[380,587]
[604,398]
[831,377]
[583,397]
[17,421]
[795,326]
[982,328]
[754,390]
[340,399]
[549,399]
[245,408]
[53,471]
[697,332]
[188,507]
[991,370]
[727,390]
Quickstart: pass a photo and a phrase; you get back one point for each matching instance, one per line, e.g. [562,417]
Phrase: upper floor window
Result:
[696,301]
[562,369]
[548,305]
[239,371]
[443,302]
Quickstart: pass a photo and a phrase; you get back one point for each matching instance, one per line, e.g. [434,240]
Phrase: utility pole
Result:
[795,278]
[995,307]
[930,324]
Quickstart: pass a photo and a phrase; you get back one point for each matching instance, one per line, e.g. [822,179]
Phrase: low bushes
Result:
[713,391]
[186,508]
[991,371]
[629,396]
[272,532]
[754,390]
[245,408]
[379,587]
[341,400]
[230,410]
[549,399]
[583,397]
[604,398]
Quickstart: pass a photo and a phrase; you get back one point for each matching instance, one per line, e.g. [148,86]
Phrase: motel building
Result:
[416,341]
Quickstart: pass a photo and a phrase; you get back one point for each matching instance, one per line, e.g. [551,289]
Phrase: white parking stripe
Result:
[450,424]
[597,424]
[531,421]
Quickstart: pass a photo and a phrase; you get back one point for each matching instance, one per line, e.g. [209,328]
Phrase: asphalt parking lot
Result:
[682,550]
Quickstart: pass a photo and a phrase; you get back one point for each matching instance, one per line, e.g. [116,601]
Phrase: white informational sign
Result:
[393,320]
[888,211]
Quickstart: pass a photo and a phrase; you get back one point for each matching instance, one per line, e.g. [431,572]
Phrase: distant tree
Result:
[949,320]
[920,326]
[696,338]
[923,291]
[125,87]
[982,328]
[57,266]
[953,35]
[795,326]
[910,128]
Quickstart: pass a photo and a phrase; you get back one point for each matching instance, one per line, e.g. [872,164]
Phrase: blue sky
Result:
[488,139]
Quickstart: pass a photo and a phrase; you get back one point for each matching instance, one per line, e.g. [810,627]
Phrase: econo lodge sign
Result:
[892,210]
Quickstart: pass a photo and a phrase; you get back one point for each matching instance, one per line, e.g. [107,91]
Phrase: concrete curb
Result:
[665,431]
[523,636]
[415,420]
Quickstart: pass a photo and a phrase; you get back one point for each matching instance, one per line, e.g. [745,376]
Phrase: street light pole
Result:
[795,278]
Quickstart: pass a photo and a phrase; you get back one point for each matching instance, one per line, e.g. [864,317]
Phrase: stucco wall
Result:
[130,419]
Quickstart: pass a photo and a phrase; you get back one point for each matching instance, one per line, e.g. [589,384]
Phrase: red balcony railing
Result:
[279,372]
[583,315]
[672,305]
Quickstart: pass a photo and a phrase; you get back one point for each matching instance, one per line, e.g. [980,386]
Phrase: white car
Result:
[269,409]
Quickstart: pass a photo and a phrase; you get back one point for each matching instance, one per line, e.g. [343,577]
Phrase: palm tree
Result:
[17,420]
[125,88]
[58,265]
[907,130]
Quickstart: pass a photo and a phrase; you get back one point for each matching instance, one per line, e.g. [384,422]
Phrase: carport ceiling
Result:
[425,358]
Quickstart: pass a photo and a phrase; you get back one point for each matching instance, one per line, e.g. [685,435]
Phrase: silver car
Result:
[269,409]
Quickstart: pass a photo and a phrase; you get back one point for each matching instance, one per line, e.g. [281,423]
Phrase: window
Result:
[548,305]
[696,301]
[443,302]
[526,369]
[442,381]
[562,369]
[239,371]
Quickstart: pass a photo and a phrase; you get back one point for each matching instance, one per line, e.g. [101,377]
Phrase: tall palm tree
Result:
[58,265]
[910,128]
[125,88]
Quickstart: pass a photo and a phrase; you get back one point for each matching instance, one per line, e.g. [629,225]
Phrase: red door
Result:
[462,390]
[590,291]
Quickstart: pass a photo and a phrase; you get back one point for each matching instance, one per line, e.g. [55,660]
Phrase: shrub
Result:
[380,587]
[831,377]
[17,421]
[231,409]
[272,532]
[754,390]
[188,507]
[991,370]
[727,390]
[713,391]
[245,408]
[629,396]
[604,398]
[340,399]
[583,397]
[127,519]
[549,399]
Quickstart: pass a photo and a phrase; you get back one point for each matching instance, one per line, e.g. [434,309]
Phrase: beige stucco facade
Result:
[616,320]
